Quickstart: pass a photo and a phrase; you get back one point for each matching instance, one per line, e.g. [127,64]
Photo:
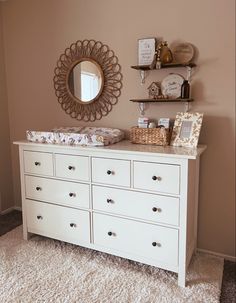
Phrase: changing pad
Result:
[87,136]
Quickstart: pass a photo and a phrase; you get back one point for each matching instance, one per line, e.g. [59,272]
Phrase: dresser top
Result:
[125,147]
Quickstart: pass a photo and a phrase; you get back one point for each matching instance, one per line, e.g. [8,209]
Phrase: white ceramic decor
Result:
[171,86]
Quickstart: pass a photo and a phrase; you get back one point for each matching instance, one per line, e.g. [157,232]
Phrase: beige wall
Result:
[6,185]
[38,31]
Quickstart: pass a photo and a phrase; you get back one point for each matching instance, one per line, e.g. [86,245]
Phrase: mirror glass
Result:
[85,80]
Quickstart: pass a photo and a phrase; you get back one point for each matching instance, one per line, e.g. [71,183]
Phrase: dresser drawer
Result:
[66,224]
[72,167]
[58,192]
[150,241]
[110,171]
[164,178]
[156,208]
[38,163]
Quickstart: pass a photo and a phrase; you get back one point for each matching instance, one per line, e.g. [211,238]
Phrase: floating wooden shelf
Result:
[169,65]
[161,100]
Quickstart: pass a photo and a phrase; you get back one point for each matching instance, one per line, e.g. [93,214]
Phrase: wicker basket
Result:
[156,136]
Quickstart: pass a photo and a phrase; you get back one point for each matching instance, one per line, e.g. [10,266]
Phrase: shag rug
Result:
[46,270]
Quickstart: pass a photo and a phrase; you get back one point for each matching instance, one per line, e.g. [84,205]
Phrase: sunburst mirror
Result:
[87,80]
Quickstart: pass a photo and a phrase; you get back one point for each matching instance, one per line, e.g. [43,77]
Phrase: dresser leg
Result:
[26,234]
[182,279]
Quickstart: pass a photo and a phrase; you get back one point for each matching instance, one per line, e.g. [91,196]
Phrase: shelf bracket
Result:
[141,106]
[143,75]
[189,72]
[186,107]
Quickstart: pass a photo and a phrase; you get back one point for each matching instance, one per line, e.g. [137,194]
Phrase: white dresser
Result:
[135,201]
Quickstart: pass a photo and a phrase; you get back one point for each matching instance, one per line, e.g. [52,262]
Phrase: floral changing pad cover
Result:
[87,136]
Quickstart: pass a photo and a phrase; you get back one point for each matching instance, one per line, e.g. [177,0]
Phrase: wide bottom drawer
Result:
[65,224]
[150,241]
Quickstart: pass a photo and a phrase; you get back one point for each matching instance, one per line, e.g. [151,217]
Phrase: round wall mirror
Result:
[87,80]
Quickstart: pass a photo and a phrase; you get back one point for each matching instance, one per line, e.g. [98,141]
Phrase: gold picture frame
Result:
[186,129]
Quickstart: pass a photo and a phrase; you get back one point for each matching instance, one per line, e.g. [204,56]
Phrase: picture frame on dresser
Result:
[186,130]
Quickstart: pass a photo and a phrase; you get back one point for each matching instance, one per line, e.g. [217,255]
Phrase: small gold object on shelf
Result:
[166,55]
[163,54]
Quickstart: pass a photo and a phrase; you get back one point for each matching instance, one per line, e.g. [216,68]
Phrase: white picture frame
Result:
[186,129]
[146,50]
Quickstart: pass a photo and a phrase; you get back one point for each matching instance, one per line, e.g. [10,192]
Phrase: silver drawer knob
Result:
[156,209]
[156,178]
[156,244]
[110,233]
[73,225]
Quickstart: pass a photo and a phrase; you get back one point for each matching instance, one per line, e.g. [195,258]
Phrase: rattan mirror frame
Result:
[102,104]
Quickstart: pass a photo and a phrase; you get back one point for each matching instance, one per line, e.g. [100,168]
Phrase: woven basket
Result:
[156,136]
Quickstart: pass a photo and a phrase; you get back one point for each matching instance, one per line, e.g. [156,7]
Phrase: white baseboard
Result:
[6,211]
[10,209]
[17,208]
[226,257]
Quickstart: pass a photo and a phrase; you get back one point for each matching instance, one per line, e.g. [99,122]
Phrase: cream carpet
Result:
[45,270]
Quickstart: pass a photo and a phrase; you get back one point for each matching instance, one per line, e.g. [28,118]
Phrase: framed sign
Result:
[186,129]
[146,51]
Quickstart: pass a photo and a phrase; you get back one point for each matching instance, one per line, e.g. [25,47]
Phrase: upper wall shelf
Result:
[169,65]
[161,100]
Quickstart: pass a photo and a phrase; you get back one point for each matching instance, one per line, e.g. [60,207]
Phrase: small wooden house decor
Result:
[154,90]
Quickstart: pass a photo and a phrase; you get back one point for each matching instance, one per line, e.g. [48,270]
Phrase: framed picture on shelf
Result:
[146,50]
[186,129]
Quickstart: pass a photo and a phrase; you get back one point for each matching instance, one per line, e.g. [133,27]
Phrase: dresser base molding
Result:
[132,201]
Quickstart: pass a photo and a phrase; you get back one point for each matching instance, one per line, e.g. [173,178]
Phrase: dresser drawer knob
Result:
[109,172]
[72,225]
[38,188]
[110,201]
[155,209]
[39,217]
[156,244]
[110,233]
[71,167]
[154,178]
[37,163]
[72,194]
